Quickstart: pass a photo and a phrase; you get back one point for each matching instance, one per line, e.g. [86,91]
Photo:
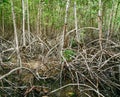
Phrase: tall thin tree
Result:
[15,35]
[65,37]
[100,23]
[76,25]
[23,22]
[28,22]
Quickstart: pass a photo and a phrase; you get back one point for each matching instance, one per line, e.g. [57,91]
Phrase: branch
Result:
[13,70]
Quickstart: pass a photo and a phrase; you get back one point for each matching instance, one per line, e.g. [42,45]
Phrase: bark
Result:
[100,23]
[38,19]
[3,23]
[76,26]
[28,21]
[23,24]
[15,35]
[65,38]
[110,23]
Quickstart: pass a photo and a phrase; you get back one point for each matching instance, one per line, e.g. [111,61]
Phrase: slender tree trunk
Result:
[115,16]
[15,35]
[113,27]
[110,23]
[40,26]
[76,26]
[38,19]
[65,38]
[100,23]
[3,22]
[23,24]
[28,22]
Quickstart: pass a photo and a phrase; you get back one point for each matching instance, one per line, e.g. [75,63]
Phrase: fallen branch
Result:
[13,70]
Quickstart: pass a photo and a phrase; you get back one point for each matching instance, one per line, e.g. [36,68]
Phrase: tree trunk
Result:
[23,24]
[28,22]
[100,23]
[15,35]
[65,38]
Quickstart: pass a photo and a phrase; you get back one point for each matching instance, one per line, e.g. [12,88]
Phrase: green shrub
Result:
[68,54]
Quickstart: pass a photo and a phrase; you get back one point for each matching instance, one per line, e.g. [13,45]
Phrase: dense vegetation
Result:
[59,48]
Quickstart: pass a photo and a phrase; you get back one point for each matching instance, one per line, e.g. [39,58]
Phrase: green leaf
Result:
[68,54]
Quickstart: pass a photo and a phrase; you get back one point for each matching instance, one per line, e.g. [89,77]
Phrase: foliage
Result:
[90,71]
[68,54]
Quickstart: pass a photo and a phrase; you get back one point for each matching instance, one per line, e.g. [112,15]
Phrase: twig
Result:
[13,70]
[116,55]
[76,84]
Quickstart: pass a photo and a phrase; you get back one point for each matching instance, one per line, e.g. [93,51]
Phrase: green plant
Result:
[71,94]
[68,54]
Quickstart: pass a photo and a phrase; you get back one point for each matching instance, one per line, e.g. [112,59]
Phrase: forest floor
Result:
[46,70]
